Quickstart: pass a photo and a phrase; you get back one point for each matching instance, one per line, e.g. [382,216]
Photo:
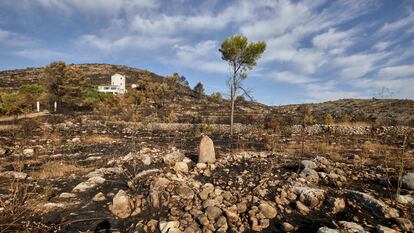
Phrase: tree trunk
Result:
[233,98]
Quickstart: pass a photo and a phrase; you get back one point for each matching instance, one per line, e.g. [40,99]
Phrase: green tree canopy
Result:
[241,56]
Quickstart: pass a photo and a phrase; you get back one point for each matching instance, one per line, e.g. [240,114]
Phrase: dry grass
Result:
[53,169]
[94,139]
[14,205]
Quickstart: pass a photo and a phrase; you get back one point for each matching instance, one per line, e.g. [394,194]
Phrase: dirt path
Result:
[24,116]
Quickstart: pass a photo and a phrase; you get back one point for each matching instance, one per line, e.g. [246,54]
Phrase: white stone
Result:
[15,175]
[122,205]
[67,195]
[99,197]
[54,205]
[408,181]
[28,152]
[181,167]
[206,150]
[168,227]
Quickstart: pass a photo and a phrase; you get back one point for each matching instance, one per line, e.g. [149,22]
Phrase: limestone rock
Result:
[267,210]
[206,150]
[89,184]
[15,175]
[173,157]
[408,181]
[122,205]
[301,208]
[28,152]
[377,207]
[308,164]
[310,175]
[352,227]
[311,197]
[383,229]
[67,195]
[327,230]
[99,197]
[169,227]
[287,227]
[181,167]
[213,212]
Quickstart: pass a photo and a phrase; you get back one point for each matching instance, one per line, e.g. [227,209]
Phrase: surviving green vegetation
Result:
[241,55]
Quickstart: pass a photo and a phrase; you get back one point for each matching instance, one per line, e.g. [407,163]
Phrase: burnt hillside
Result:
[99,74]
[191,107]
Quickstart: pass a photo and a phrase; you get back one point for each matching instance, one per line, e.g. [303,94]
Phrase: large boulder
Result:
[206,150]
[311,197]
[122,205]
[369,203]
[408,181]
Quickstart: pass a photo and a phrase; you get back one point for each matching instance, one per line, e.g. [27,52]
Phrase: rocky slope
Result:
[375,111]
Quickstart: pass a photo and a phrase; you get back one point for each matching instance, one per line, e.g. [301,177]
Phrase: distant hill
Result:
[191,108]
[382,111]
[99,74]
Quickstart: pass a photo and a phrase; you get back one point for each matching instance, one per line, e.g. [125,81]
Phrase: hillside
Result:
[191,108]
[381,111]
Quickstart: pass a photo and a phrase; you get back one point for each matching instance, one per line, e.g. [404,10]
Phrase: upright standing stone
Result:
[206,150]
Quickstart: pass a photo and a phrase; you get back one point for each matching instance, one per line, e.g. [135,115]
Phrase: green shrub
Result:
[329,120]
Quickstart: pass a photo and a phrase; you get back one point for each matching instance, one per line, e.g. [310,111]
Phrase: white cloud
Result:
[290,77]
[41,54]
[382,45]
[14,39]
[406,22]
[96,7]
[318,92]
[109,45]
[397,71]
[333,39]
[357,65]
[202,56]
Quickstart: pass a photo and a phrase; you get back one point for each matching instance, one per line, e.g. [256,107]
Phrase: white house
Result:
[117,85]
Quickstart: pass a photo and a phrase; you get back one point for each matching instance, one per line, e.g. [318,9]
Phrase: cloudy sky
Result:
[317,49]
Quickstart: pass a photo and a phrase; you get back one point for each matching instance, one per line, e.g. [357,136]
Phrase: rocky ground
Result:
[79,175]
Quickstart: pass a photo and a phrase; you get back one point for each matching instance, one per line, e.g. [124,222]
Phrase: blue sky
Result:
[317,50]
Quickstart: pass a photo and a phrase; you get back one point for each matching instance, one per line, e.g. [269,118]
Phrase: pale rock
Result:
[99,197]
[287,227]
[384,229]
[122,205]
[201,166]
[311,197]
[206,150]
[185,192]
[67,195]
[408,181]
[310,175]
[89,184]
[213,212]
[377,207]
[169,227]
[51,205]
[267,210]
[301,208]
[146,159]
[308,164]
[352,227]
[181,167]
[173,157]
[327,230]
[28,152]
[15,175]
